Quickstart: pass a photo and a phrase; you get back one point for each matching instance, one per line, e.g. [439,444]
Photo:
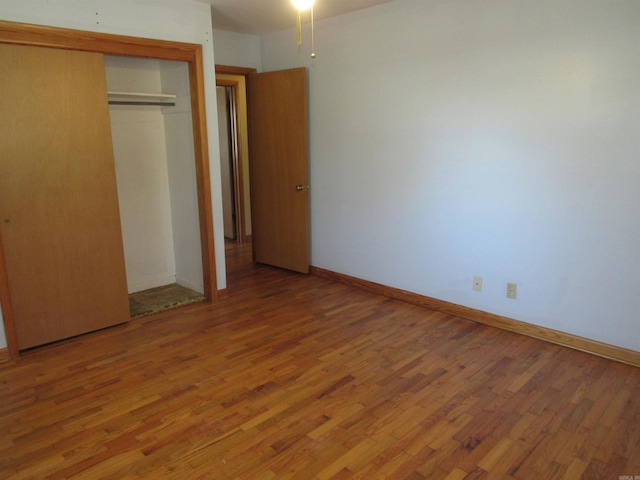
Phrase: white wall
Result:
[138,134]
[453,138]
[237,49]
[182,176]
[240,50]
[159,19]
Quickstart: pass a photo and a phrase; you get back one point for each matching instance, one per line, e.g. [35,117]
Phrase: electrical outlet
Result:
[512,290]
[477,283]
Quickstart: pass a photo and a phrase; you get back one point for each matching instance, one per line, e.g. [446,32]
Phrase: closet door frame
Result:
[109,44]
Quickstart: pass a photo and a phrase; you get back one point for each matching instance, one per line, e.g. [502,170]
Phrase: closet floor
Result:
[161,298]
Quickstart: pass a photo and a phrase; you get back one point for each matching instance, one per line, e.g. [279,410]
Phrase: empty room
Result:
[368,239]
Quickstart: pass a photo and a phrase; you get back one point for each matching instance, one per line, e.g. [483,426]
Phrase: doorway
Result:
[228,161]
[234,151]
[276,103]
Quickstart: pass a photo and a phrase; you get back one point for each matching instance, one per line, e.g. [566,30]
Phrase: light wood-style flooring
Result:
[296,377]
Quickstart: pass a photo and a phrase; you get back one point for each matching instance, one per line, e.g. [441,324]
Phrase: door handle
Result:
[300,188]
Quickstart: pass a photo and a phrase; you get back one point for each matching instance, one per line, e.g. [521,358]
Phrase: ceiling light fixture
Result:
[301,6]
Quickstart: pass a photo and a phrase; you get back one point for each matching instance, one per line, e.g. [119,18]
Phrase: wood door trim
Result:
[238,155]
[107,43]
[235,70]
[203,175]
[53,37]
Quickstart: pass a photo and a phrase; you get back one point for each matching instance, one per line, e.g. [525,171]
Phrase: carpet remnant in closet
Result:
[161,298]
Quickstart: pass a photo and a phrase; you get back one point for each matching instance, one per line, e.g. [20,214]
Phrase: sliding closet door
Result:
[59,218]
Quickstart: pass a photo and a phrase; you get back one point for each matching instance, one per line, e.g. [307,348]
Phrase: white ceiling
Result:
[258,17]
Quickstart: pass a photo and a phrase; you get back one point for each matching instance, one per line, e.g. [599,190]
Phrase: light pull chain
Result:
[303,6]
[313,39]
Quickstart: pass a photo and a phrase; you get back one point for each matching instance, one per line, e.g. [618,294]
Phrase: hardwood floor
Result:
[294,376]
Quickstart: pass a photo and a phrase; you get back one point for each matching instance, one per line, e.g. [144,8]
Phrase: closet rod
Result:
[140,98]
[130,102]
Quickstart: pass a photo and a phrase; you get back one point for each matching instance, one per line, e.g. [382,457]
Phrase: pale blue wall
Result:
[498,138]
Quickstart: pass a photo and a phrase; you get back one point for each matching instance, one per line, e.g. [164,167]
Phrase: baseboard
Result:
[630,357]
[5,356]
[223,293]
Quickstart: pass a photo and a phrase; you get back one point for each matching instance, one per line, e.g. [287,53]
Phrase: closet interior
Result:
[152,133]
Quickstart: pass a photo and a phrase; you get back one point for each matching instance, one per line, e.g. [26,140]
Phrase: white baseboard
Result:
[153,283]
[192,286]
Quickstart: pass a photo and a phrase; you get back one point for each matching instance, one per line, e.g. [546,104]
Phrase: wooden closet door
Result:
[59,218]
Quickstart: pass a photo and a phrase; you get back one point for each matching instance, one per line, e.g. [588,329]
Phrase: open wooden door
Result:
[278,136]
[59,218]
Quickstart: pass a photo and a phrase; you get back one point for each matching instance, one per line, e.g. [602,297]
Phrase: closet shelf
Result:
[138,98]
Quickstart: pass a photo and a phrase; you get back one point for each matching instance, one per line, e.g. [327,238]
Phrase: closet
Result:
[150,112]
[100,196]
